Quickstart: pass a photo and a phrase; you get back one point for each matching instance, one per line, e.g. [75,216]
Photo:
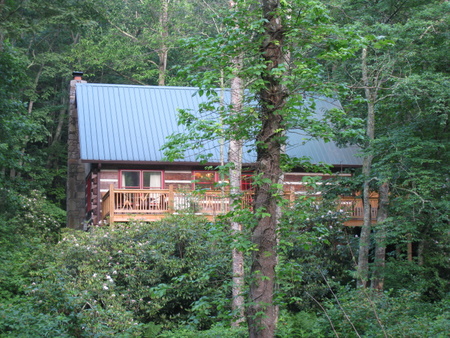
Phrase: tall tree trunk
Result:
[409,247]
[364,240]
[29,111]
[235,159]
[2,34]
[420,251]
[164,50]
[262,314]
[56,137]
[377,282]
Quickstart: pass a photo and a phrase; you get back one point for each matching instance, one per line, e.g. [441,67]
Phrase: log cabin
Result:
[117,171]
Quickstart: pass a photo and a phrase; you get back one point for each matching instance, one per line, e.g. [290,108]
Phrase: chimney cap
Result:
[77,74]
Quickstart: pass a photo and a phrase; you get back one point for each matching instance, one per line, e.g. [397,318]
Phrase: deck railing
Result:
[124,204]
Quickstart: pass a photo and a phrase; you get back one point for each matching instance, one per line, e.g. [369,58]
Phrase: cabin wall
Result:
[294,182]
[180,179]
[100,180]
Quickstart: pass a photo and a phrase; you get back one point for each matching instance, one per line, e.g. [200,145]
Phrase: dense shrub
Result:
[373,314]
[110,281]
[27,223]
[315,253]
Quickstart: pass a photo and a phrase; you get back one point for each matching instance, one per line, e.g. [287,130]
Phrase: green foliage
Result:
[315,253]
[27,223]
[217,331]
[373,314]
[111,281]
[31,216]
[301,324]
[429,282]
[182,270]
[303,76]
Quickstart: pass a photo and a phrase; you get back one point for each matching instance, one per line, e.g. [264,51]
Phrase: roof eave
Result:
[191,163]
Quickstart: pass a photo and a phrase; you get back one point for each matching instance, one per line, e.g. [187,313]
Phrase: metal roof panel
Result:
[131,123]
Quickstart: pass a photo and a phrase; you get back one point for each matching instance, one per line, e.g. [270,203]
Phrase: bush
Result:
[110,281]
[302,324]
[216,331]
[375,314]
[26,224]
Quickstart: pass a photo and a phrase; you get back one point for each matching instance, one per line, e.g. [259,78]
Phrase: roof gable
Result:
[128,123]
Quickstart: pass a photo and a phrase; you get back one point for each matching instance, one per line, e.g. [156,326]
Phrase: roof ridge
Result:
[138,86]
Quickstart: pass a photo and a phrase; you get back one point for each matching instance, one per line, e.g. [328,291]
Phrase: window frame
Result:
[141,179]
[247,181]
[198,185]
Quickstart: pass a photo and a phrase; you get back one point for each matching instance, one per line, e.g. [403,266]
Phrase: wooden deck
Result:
[122,205]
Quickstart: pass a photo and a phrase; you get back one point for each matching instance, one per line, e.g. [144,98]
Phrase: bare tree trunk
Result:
[2,35]
[164,50]
[235,158]
[29,111]
[61,118]
[420,251]
[377,282]
[364,240]
[410,248]
[56,137]
[262,314]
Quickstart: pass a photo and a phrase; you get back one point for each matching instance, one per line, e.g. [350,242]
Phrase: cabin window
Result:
[246,182]
[140,179]
[205,180]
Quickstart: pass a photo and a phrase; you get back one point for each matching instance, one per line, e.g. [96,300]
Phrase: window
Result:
[246,182]
[205,180]
[140,179]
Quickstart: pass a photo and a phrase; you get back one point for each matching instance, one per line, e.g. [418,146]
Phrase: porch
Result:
[122,205]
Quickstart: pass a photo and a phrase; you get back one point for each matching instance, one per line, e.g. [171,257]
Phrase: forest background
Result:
[174,278]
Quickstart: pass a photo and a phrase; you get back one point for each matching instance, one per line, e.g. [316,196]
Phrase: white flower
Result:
[105,287]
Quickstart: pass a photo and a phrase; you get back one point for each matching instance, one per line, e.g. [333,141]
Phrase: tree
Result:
[138,41]
[235,174]
[400,127]
[372,85]
[262,314]
[274,104]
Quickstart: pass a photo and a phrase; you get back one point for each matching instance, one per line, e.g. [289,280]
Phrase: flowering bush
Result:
[32,216]
[113,281]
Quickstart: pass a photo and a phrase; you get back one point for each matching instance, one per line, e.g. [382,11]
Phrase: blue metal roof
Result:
[120,123]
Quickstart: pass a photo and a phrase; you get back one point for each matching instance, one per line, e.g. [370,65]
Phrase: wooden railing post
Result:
[112,203]
[171,199]
[291,195]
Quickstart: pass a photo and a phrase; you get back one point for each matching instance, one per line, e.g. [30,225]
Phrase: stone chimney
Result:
[75,169]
